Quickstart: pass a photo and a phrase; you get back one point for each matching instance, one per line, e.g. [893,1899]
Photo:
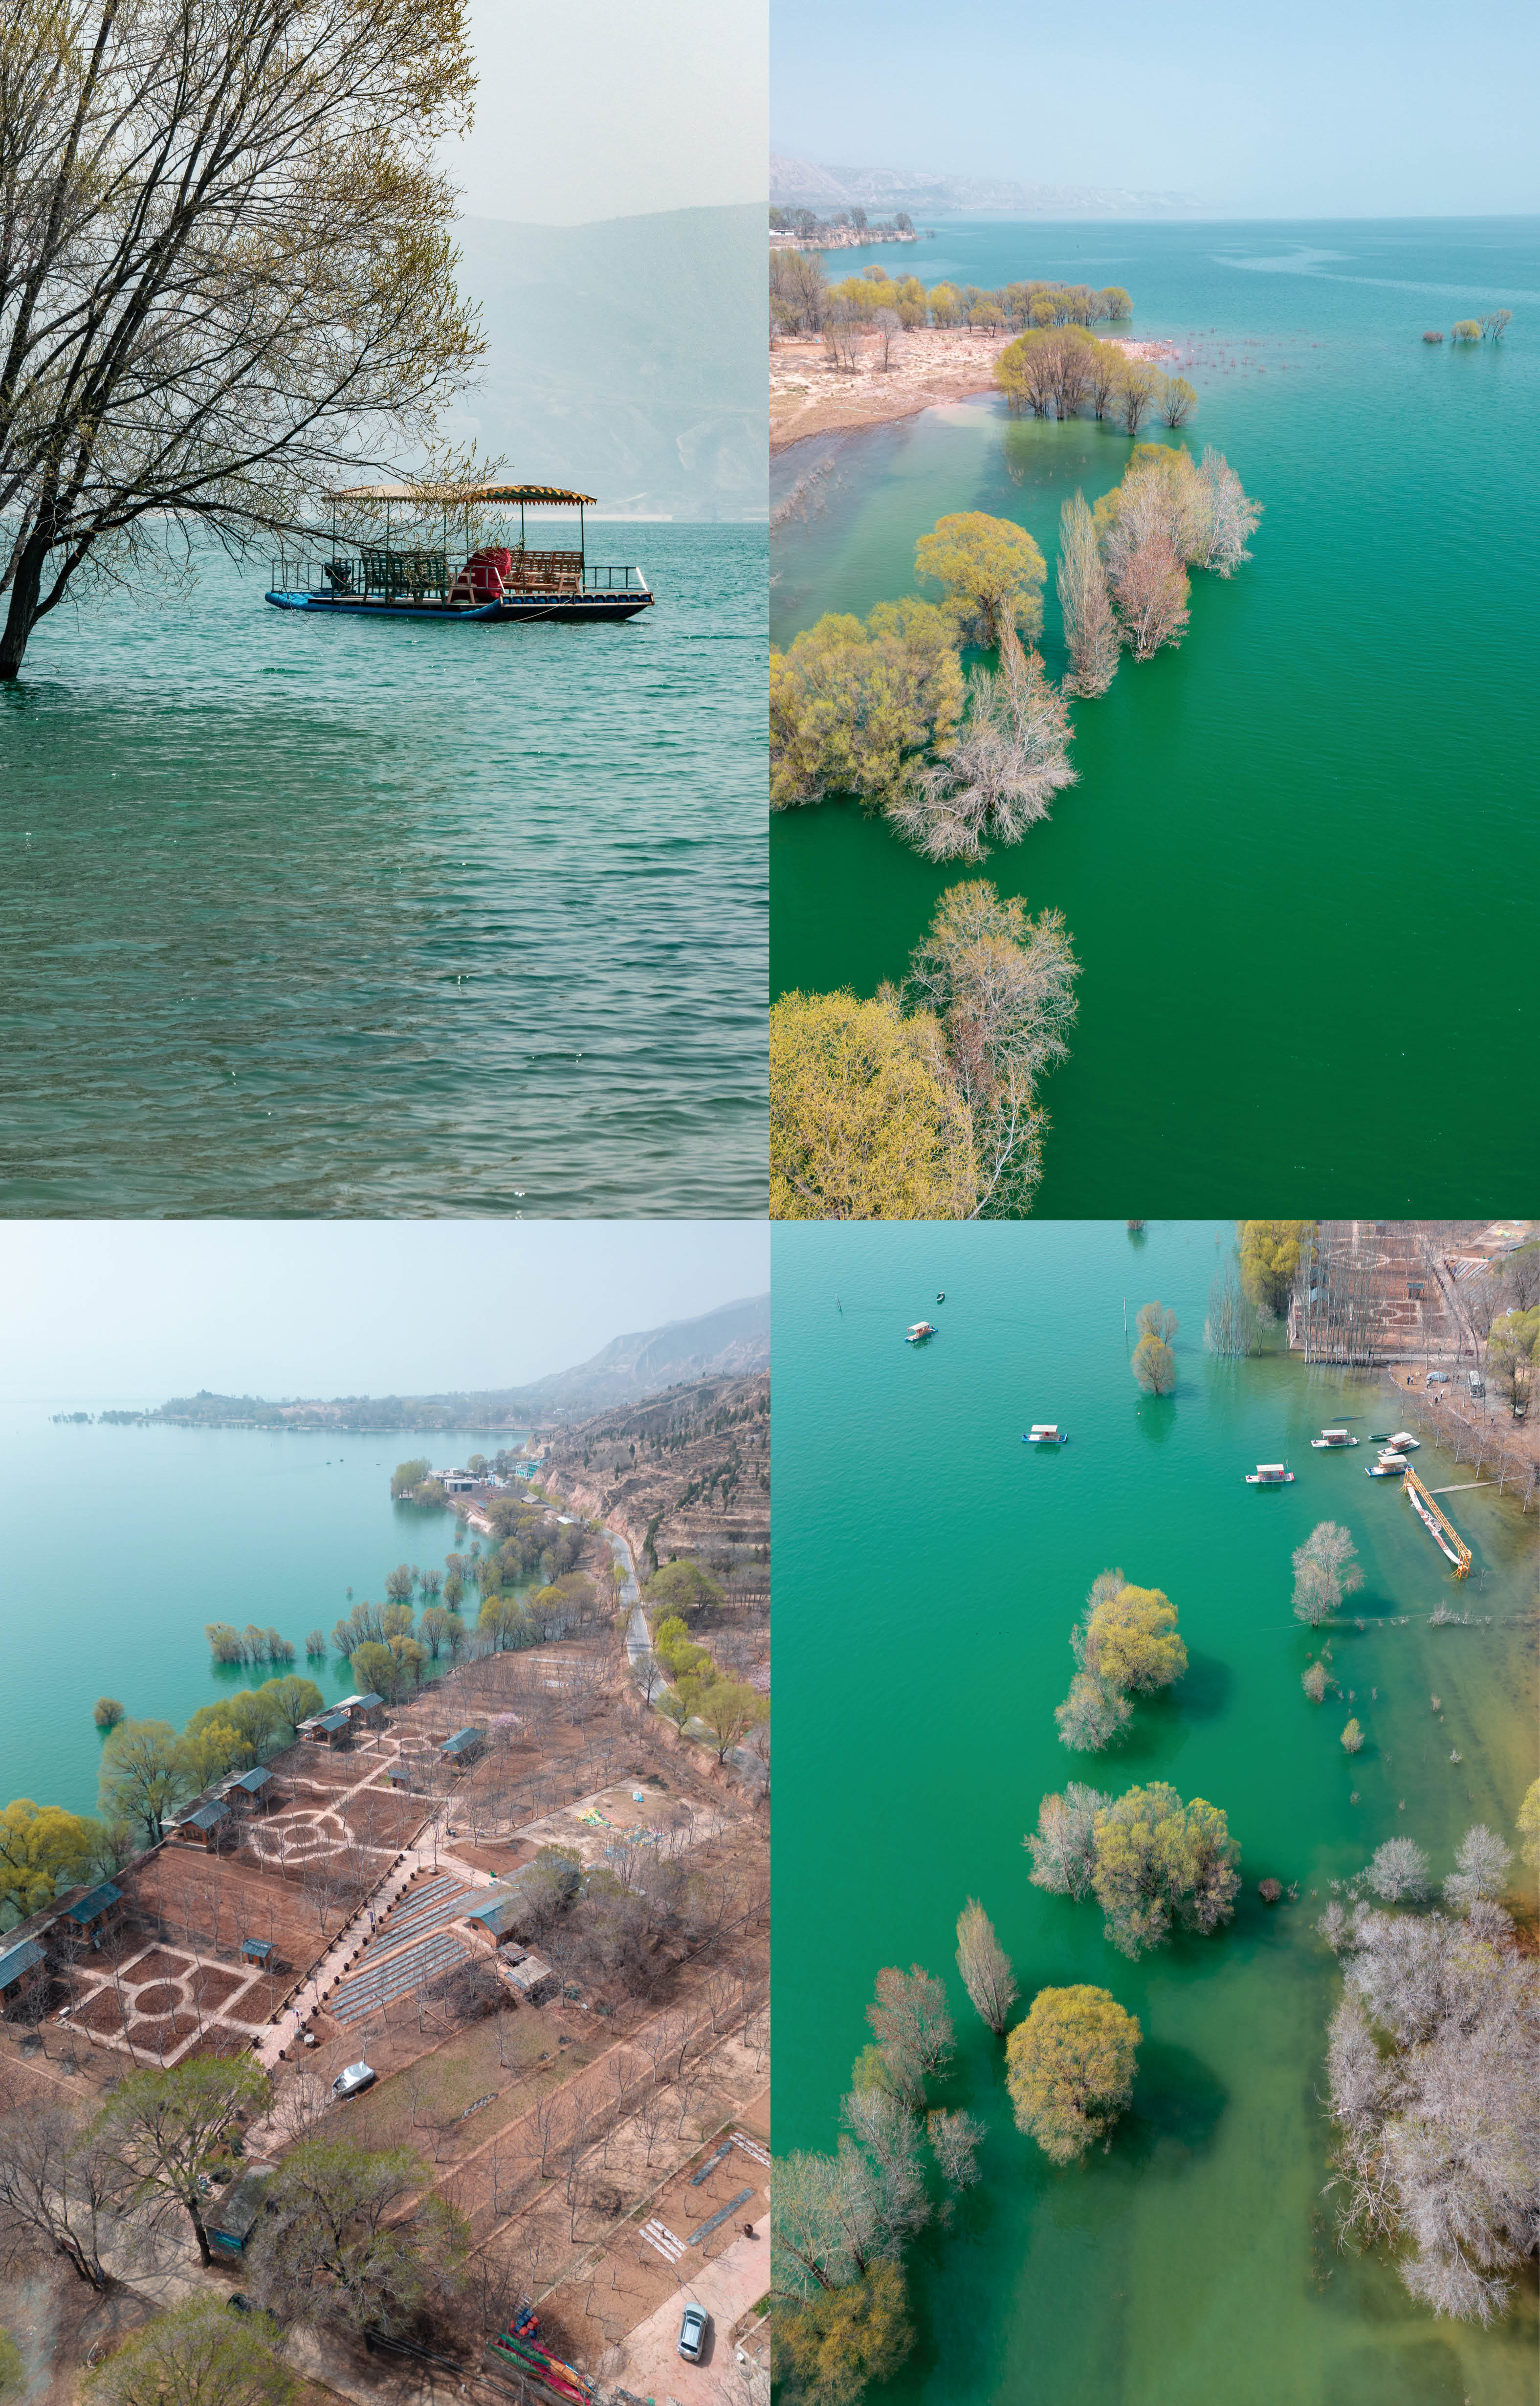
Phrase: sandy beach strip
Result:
[808,397]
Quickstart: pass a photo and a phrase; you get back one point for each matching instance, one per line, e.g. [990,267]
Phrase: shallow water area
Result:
[312,917]
[932,1568]
[1301,843]
[120,1545]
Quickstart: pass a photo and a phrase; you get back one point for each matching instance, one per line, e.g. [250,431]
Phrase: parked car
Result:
[239,2303]
[1438,1377]
[1475,1382]
[352,2082]
[692,2334]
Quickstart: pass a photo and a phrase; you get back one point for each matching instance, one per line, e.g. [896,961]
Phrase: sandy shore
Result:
[809,397]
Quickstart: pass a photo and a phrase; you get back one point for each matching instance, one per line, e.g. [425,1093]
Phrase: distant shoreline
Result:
[807,398]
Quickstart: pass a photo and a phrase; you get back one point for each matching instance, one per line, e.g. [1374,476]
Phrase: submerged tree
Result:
[1001,986]
[913,2025]
[992,574]
[985,1966]
[1090,629]
[1091,1715]
[1314,1682]
[853,706]
[1434,2068]
[1398,1870]
[1149,1859]
[835,2348]
[1000,774]
[1070,2068]
[1481,1868]
[1125,1643]
[866,1120]
[1231,1329]
[229,262]
[1326,1569]
[1154,1365]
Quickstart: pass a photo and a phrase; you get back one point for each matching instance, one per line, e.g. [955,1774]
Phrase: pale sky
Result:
[1322,108]
[104,1311]
[609,108]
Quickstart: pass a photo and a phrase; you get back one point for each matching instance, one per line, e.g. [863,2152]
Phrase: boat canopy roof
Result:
[1045,1428]
[1270,1469]
[447,496]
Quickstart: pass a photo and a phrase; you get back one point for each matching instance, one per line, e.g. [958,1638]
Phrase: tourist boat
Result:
[921,1330]
[407,566]
[1270,1474]
[1046,1433]
[1403,1442]
[1332,1438]
[1389,1465]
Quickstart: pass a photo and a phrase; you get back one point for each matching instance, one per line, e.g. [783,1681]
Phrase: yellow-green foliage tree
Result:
[1149,1859]
[1467,330]
[1070,2068]
[40,1846]
[1352,1738]
[1154,1365]
[1528,1825]
[1129,1639]
[851,706]
[683,1587]
[13,2368]
[1269,1259]
[198,2354]
[866,1122]
[840,2345]
[729,1708]
[991,572]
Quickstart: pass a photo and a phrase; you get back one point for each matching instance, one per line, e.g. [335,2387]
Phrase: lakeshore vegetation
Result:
[921,1102]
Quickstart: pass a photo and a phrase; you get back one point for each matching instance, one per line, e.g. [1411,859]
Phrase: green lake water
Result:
[1302,846]
[312,917]
[931,1568]
[120,1544]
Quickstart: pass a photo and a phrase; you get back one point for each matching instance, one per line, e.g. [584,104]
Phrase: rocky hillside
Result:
[688,1473]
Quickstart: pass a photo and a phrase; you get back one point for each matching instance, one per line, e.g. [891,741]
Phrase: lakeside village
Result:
[452,1995]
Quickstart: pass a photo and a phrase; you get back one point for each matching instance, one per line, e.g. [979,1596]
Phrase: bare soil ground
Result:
[809,395]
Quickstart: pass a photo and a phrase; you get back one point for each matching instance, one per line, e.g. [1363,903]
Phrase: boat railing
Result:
[376,575]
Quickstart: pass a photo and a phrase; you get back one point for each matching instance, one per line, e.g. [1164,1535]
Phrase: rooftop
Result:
[16,1959]
[86,1908]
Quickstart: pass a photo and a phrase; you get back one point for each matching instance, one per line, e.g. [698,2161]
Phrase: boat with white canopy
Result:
[452,551]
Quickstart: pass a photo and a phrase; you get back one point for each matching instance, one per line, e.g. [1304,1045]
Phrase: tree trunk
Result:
[205,2251]
[21,616]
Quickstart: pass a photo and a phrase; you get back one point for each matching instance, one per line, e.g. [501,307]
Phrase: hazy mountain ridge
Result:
[807,183]
[621,358]
[732,1341]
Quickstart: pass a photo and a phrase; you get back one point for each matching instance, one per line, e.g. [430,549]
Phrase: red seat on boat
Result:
[485,575]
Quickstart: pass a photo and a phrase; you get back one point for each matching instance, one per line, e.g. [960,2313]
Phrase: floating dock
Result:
[1445,1536]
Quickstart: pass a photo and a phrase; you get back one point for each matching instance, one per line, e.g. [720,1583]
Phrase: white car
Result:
[692,2334]
[352,2082]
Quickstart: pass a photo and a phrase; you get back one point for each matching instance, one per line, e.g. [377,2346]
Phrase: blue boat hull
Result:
[579,607]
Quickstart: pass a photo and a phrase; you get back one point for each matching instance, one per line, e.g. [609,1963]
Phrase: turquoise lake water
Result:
[120,1544]
[1303,845]
[930,1570]
[309,916]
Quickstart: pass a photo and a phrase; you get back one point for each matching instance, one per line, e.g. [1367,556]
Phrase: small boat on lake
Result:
[1403,1442]
[1331,1439]
[1389,1465]
[401,559]
[1046,1433]
[921,1330]
[1270,1474]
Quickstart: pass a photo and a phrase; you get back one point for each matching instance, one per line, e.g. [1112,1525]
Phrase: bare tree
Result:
[60,2191]
[985,1966]
[1090,629]
[228,257]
